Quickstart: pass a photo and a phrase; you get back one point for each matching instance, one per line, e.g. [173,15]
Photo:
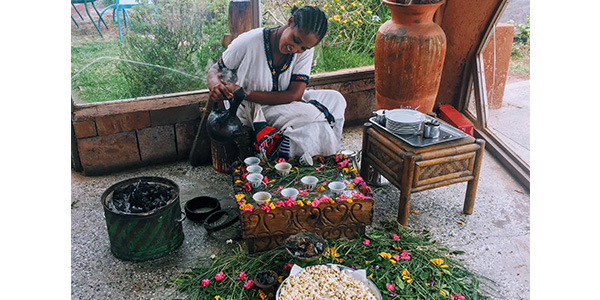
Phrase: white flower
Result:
[213,256]
[229,241]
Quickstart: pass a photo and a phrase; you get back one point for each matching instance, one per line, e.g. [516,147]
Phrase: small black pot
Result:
[199,208]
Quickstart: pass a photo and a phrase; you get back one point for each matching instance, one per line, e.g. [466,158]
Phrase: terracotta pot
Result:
[409,56]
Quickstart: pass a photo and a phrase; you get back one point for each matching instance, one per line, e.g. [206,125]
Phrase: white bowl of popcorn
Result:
[329,281]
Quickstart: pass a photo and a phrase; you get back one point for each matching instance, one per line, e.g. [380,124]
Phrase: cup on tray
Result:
[261,197]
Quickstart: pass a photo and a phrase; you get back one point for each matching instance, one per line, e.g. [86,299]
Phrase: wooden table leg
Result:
[472,185]
[405,187]
[364,164]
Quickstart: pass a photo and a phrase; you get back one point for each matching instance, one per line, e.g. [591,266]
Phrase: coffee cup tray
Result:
[447,133]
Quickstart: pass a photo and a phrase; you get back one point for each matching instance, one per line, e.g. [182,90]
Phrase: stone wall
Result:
[115,135]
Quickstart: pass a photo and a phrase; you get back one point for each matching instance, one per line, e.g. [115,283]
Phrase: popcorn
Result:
[324,282]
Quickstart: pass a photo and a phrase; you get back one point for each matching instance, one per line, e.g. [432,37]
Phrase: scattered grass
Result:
[429,273]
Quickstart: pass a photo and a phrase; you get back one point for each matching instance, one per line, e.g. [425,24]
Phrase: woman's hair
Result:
[310,19]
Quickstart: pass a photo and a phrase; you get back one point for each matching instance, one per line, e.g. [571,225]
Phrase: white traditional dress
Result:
[304,124]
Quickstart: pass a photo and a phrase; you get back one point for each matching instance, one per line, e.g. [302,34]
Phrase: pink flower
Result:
[266,207]
[205,282]
[365,189]
[390,286]
[396,257]
[244,175]
[289,202]
[324,198]
[302,192]
[395,237]
[249,284]
[220,276]
[279,188]
[357,180]
[249,208]
[366,242]
[338,157]
[281,160]
[343,163]
[325,183]
[242,276]
[315,203]
[265,179]
[405,255]
[279,203]
[457,297]
[287,268]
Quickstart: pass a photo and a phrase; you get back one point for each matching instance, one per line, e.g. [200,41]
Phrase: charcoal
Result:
[265,278]
[305,247]
[140,197]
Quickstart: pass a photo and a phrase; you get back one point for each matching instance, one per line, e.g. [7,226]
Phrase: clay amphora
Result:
[409,56]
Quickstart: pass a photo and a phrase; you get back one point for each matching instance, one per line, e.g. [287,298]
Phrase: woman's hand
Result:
[220,92]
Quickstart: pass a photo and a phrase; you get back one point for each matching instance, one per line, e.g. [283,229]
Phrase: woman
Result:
[273,66]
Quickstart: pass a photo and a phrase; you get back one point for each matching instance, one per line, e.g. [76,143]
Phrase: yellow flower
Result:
[217,297]
[339,259]
[239,197]
[285,5]
[271,205]
[320,188]
[393,261]
[369,12]
[262,295]
[405,273]
[337,18]
[444,266]
[370,276]
[349,200]
[239,181]
[396,247]
[437,261]
[300,202]
[280,279]
[331,251]
[325,6]
[385,255]
[355,23]
[342,7]
[353,4]
[339,35]
[353,170]
[330,18]
[359,21]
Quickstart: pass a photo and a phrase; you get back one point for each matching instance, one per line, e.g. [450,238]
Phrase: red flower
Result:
[247,187]
[242,276]
[205,282]
[249,284]
[220,276]
[287,268]
[366,242]
[395,237]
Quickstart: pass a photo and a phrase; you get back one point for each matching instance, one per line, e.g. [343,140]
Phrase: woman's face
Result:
[295,41]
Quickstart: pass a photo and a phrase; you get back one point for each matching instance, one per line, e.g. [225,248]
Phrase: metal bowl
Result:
[319,243]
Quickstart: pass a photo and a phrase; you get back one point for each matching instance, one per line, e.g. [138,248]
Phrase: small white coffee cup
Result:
[309,182]
[289,192]
[336,187]
[252,161]
[254,169]
[283,168]
[255,179]
[261,197]
[306,160]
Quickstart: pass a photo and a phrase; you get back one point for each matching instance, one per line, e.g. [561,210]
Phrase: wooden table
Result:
[413,169]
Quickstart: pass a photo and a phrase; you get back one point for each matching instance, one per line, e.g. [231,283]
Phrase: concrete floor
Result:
[495,239]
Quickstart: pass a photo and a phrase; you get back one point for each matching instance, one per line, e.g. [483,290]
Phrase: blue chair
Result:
[85,2]
[121,7]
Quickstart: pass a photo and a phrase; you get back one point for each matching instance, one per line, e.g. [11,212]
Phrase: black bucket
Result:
[145,235]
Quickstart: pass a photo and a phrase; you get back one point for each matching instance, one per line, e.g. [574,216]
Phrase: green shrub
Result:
[170,48]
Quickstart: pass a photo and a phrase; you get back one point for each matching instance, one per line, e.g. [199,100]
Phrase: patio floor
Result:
[495,239]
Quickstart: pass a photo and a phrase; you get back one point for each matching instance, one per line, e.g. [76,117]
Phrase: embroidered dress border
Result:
[269,53]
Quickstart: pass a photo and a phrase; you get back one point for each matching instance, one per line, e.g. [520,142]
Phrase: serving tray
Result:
[447,133]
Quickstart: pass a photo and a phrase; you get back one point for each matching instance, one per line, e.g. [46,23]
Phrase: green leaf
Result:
[399,283]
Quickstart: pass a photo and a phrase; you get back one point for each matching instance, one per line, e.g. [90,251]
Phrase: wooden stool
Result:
[413,169]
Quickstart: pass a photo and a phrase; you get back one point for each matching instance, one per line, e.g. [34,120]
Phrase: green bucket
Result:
[146,235]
